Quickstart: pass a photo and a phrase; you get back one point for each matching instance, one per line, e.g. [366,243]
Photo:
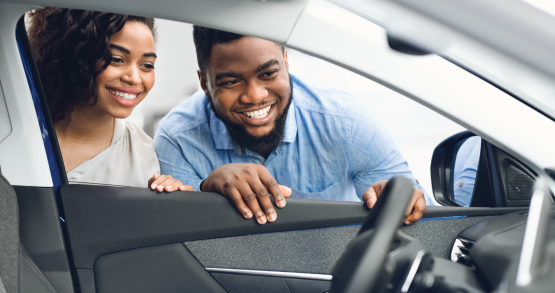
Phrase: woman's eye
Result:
[117,60]
[149,66]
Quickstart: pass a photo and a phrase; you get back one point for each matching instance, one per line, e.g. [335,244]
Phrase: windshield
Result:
[519,79]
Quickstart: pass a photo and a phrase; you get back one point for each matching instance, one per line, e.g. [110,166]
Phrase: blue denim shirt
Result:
[466,168]
[333,148]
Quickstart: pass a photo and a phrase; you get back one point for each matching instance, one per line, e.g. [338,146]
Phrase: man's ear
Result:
[202,80]
[285,59]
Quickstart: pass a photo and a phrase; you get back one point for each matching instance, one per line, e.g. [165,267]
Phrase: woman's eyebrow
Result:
[112,46]
[126,51]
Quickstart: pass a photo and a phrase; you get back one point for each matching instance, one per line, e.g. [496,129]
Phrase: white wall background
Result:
[416,129]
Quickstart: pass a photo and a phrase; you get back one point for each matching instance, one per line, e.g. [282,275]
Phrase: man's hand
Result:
[415,210]
[248,186]
[167,183]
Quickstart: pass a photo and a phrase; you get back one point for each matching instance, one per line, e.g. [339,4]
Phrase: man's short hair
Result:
[205,38]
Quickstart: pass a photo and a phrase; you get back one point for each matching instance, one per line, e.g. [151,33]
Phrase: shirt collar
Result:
[224,141]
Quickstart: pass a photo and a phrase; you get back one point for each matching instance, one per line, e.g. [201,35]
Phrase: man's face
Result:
[248,82]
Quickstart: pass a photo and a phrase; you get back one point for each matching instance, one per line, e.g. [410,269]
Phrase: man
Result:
[466,168]
[255,130]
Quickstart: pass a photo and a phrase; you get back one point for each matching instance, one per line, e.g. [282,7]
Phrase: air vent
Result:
[461,251]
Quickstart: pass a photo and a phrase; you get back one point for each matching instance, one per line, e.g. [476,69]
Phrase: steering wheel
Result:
[361,268]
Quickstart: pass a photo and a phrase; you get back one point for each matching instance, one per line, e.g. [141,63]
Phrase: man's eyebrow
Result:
[227,74]
[266,65]
[112,46]
[150,55]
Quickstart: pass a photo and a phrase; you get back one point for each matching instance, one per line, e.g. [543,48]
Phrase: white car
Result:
[486,65]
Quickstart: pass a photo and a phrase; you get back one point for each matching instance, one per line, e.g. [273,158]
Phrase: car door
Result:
[115,238]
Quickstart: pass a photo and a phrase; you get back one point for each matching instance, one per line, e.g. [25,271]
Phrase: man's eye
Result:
[269,73]
[149,66]
[231,82]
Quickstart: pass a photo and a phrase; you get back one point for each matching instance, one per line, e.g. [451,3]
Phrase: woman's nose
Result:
[131,76]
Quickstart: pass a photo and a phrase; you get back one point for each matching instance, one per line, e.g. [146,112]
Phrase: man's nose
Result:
[254,94]
[131,75]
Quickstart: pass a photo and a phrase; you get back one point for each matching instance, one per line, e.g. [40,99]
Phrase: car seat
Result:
[18,272]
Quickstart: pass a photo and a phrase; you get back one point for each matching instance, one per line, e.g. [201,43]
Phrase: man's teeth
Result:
[259,114]
[124,96]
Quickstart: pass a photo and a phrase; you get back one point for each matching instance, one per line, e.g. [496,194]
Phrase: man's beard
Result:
[262,145]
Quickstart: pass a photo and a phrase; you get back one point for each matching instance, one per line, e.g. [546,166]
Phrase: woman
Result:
[96,68]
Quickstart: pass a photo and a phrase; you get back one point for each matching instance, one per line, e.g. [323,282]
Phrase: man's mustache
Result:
[249,106]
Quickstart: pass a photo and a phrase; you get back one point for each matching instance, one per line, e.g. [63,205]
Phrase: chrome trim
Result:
[456,250]
[272,274]
[413,270]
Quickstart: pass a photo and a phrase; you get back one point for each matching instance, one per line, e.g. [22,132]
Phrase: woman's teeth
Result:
[124,96]
[259,114]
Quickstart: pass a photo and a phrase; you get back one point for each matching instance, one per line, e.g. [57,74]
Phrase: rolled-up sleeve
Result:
[375,156]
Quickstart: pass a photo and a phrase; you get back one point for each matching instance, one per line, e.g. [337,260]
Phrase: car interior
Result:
[97,238]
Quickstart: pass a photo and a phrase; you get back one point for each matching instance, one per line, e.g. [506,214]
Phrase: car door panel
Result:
[162,268]
[40,232]
[117,233]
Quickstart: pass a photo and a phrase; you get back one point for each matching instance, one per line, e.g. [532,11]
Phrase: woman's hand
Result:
[167,183]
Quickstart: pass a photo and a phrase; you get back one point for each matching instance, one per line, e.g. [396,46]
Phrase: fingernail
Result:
[160,188]
[272,217]
[407,223]
[248,215]
[154,185]
[261,220]
[169,188]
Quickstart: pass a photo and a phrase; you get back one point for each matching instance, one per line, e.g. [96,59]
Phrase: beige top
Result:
[130,160]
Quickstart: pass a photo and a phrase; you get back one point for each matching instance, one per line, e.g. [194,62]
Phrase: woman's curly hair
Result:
[68,45]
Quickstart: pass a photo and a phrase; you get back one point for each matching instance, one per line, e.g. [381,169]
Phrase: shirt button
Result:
[461,184]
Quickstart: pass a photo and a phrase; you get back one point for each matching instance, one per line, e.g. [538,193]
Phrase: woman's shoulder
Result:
[136,135]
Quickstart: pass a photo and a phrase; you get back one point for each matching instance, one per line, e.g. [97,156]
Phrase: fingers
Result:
[418,209]
[186,188]
[272,186]
[168,183]
[235,197]
[263,197]
[250,198]
[370,197]
[152,179]
[286,191]
[250,188]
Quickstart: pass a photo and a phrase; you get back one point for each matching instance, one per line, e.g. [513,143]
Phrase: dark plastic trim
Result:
[42,96]
[104,219]
[405,47]
[483,194]
[21,32]
[41,234]
[497,160]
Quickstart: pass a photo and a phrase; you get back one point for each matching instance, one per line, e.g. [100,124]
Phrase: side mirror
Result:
[468,171]
[443,171]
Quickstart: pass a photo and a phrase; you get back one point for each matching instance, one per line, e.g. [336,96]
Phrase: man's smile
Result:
[258,116]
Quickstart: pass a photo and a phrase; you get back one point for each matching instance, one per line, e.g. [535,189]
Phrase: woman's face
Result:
[130,75]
